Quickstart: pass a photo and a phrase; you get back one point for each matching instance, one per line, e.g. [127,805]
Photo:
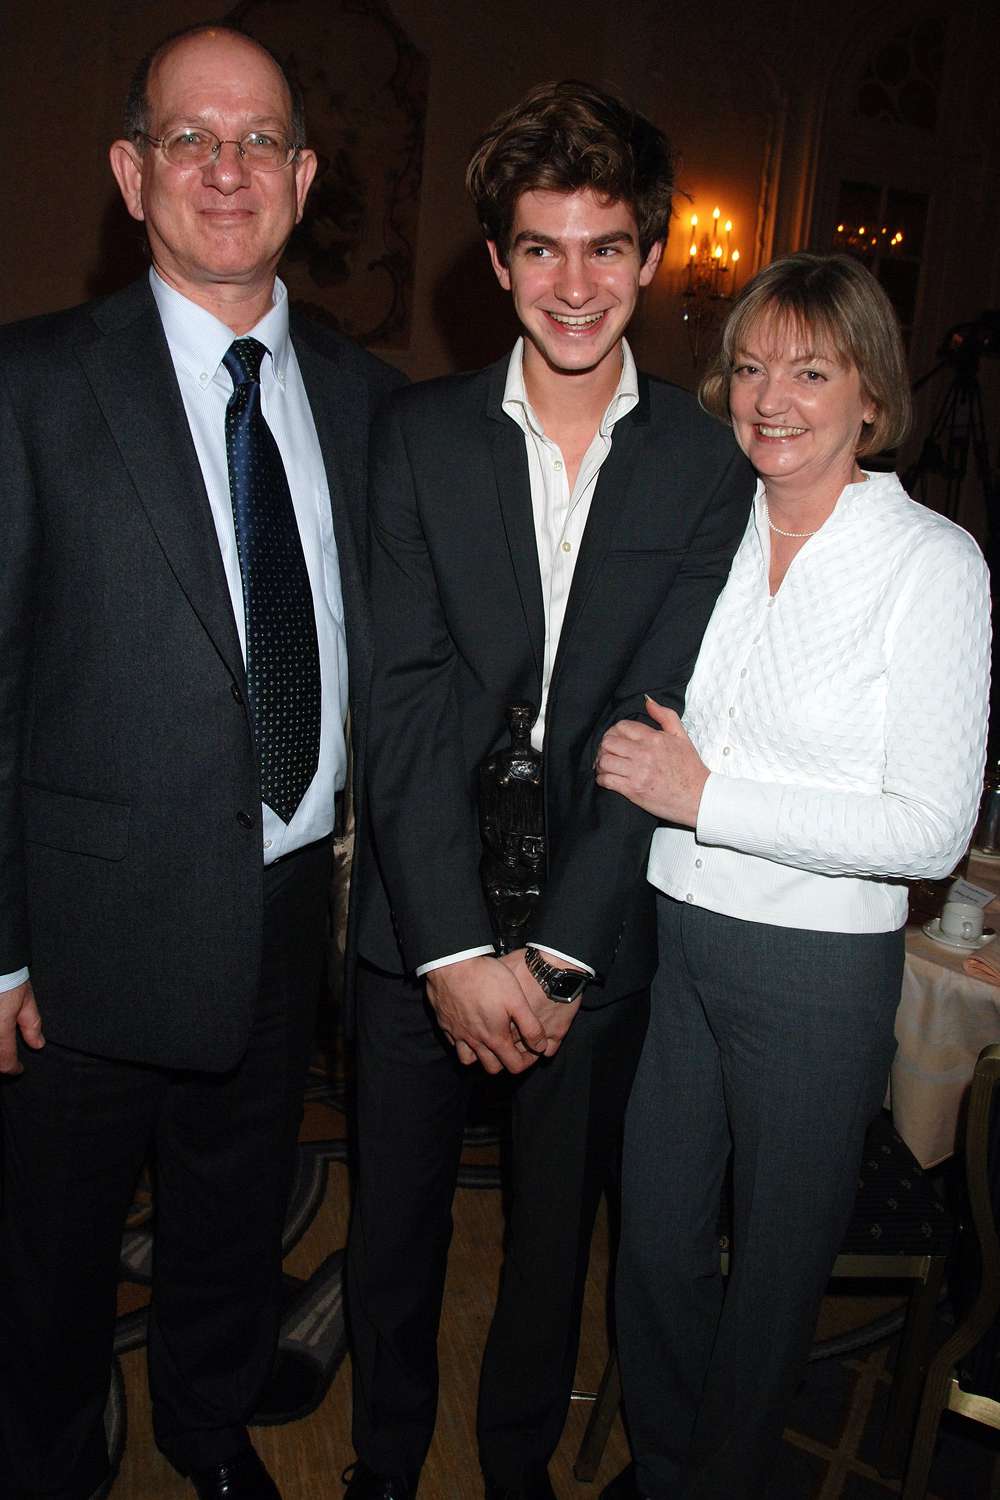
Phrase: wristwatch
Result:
[562,985]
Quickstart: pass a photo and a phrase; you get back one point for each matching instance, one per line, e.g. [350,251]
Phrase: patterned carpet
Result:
[832,1435]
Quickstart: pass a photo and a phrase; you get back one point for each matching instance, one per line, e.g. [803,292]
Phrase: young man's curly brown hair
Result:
[563,137]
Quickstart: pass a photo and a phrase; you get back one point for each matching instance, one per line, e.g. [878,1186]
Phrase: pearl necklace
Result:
[797,535]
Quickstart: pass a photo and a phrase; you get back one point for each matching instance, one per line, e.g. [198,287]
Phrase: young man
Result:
[554,529]
[164,863]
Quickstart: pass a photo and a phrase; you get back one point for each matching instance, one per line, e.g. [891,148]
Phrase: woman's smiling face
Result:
[797,407]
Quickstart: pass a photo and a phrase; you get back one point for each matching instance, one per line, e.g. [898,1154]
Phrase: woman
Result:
[832,744]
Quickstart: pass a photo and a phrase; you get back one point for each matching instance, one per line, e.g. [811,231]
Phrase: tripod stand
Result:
[958,426]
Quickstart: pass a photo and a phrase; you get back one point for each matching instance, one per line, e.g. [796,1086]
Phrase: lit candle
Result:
[735,264]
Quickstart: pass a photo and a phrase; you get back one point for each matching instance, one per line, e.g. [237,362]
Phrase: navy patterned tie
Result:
[283,677]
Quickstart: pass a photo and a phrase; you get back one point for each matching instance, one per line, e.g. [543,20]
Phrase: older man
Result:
[182,498]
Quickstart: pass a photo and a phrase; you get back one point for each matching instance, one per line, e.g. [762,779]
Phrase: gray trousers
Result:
[774,1044]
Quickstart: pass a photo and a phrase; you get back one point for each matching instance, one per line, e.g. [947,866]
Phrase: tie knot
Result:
[243,359]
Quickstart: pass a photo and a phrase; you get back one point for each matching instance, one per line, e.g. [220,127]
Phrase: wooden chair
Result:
[899,1230]
[942,1391]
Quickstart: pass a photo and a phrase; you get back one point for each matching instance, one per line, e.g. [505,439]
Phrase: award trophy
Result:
[512,829]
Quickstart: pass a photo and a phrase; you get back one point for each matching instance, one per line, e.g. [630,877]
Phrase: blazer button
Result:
[244,819]
[237,695]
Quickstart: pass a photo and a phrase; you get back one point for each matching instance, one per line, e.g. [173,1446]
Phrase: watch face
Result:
[565,984]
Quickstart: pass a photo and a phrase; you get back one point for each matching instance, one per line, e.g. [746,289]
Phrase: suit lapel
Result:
[132,377]
[510,463]
[614,494]
[339,417]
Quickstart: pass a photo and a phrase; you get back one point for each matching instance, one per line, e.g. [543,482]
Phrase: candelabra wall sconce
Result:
[867,240]
[710,278]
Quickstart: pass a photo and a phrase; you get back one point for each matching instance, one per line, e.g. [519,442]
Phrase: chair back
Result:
[943,1390]
[981,1261]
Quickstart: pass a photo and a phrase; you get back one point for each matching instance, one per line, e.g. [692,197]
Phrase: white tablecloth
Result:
[944,1021]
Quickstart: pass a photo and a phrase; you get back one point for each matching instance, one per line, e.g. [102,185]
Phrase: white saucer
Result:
[932,929]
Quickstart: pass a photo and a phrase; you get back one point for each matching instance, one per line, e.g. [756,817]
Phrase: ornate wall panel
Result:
[351,261]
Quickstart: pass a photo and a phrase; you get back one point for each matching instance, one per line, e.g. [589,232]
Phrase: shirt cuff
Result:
[11,981]
[453,958]
[739,814]
[567,958]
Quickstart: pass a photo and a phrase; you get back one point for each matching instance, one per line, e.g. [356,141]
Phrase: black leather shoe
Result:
[535,1487]
[364,1484]
[242,1478]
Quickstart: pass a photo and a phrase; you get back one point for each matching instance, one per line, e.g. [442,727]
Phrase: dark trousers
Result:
[76,1131]
[412,1101]
[777,1042]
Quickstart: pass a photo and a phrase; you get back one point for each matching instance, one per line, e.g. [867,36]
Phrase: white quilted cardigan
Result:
[843,720]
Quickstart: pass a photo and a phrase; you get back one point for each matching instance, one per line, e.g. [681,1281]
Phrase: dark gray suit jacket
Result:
[130,828]
[459,634]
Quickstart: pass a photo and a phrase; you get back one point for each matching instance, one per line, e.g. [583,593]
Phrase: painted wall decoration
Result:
[351,260]
[901,83]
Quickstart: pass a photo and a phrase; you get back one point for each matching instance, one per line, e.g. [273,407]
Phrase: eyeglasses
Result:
[193,146]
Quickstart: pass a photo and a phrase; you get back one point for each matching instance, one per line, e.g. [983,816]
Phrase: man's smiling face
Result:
[224,222]
[574,270]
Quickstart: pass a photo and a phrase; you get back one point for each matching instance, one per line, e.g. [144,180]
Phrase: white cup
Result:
[962,921]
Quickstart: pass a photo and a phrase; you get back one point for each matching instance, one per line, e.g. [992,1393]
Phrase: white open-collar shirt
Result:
[560,516]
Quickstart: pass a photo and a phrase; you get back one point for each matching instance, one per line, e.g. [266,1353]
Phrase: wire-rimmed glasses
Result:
[194,146]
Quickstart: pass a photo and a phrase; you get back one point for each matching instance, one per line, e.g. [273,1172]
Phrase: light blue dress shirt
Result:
[197,343]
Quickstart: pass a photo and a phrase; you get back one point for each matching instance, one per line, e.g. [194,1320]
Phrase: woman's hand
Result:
[657,769]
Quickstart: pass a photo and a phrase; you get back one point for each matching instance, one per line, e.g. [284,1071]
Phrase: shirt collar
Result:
[198,340]
[852,499]
[516,404]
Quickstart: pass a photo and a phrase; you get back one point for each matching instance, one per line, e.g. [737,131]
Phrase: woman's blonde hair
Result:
[833,300]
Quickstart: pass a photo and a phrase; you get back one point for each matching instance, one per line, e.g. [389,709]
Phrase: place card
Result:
[964,890]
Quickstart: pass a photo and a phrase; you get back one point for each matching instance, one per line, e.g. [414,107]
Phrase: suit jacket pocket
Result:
[78,825]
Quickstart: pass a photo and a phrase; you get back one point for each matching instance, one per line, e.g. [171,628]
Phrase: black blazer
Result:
[130,828]
[459,634]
